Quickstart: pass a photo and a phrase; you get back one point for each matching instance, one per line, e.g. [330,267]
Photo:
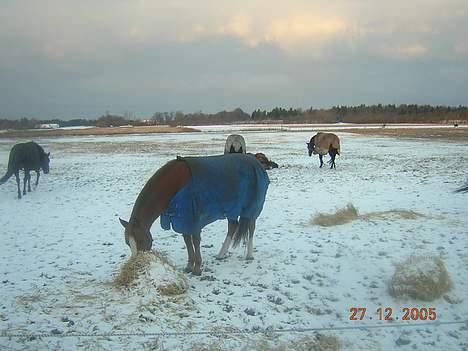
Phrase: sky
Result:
[81,59]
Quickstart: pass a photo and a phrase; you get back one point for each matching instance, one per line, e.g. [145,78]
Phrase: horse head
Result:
[266,163]
[137,237]
[233,150]
[45,160]
[311,146]
[235,143]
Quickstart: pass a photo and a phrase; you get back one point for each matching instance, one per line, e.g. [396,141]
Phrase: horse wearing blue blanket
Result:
[191,192]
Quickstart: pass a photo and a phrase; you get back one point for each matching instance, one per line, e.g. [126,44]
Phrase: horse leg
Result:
[38,174]
[335,152]
[250,243]
[332,158]
[233,225]
[18,184]
[190,253]
[198,259]
[321,160]
[29,181]
[27,177]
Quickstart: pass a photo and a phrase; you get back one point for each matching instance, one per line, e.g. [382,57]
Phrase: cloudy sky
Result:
[70,59]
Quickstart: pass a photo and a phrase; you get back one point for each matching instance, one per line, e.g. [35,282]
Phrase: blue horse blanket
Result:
[227,186]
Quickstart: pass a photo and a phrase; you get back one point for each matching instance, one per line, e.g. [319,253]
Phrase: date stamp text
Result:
[389,314]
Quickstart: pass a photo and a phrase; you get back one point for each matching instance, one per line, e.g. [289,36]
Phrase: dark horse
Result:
[463,189]
[189,193]
[30,157]
[322,144]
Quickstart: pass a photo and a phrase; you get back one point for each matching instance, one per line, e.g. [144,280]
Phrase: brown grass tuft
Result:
[139,267]
[420,277]
[131,269]
[351,213]
[341,216]
[398,213]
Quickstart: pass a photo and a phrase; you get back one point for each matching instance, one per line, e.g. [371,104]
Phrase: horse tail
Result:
[462,189]
[5,177]
[242,232]
[11,169]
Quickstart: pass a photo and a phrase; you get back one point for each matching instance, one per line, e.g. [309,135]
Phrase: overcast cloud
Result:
[70,59]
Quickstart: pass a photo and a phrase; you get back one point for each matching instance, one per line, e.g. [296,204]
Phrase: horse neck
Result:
[40,150]
[158,192]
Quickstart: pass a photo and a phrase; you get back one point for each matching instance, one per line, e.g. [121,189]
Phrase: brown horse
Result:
[323,143]
[267,164]
[189,193]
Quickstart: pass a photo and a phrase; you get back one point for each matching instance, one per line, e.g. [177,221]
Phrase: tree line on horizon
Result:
[360,114]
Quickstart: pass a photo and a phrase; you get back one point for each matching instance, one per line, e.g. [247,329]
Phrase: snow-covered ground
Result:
[62,244]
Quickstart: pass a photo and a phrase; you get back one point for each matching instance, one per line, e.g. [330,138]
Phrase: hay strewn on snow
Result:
[351,213]
[420,277]
[341,216]
[151,268]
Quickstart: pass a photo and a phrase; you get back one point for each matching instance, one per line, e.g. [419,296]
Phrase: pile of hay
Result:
[350,213]
[151,268]
[420,277]
[341,216]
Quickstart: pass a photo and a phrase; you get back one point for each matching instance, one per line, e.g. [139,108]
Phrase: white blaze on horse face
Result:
[133,245]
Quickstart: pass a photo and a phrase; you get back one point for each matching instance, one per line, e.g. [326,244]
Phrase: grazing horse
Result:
[30,157]
[323,143]
[191,192]
[235,143]
[267,164]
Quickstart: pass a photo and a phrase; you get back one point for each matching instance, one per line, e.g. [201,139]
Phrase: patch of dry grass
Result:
[420,277]
[429,133]
[131,269]
[341,216]
[30,298]
[151,266]
[398,213]
[95,131]
[350,213]
[272,343]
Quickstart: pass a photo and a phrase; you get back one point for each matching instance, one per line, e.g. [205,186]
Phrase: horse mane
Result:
[39,148]
[160,189]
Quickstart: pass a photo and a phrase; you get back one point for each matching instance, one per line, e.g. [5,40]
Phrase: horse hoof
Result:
[249,258]
[196,272]
[219,258]
[188,269]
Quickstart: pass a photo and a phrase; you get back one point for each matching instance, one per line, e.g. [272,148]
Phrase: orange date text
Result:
[388,314]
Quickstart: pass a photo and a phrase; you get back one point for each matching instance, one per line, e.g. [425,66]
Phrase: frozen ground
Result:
[62,244]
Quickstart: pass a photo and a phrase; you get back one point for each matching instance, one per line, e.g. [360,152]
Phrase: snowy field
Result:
[62,245]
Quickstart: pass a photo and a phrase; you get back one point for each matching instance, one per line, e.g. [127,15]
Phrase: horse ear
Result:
[48,154]
[124,223]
